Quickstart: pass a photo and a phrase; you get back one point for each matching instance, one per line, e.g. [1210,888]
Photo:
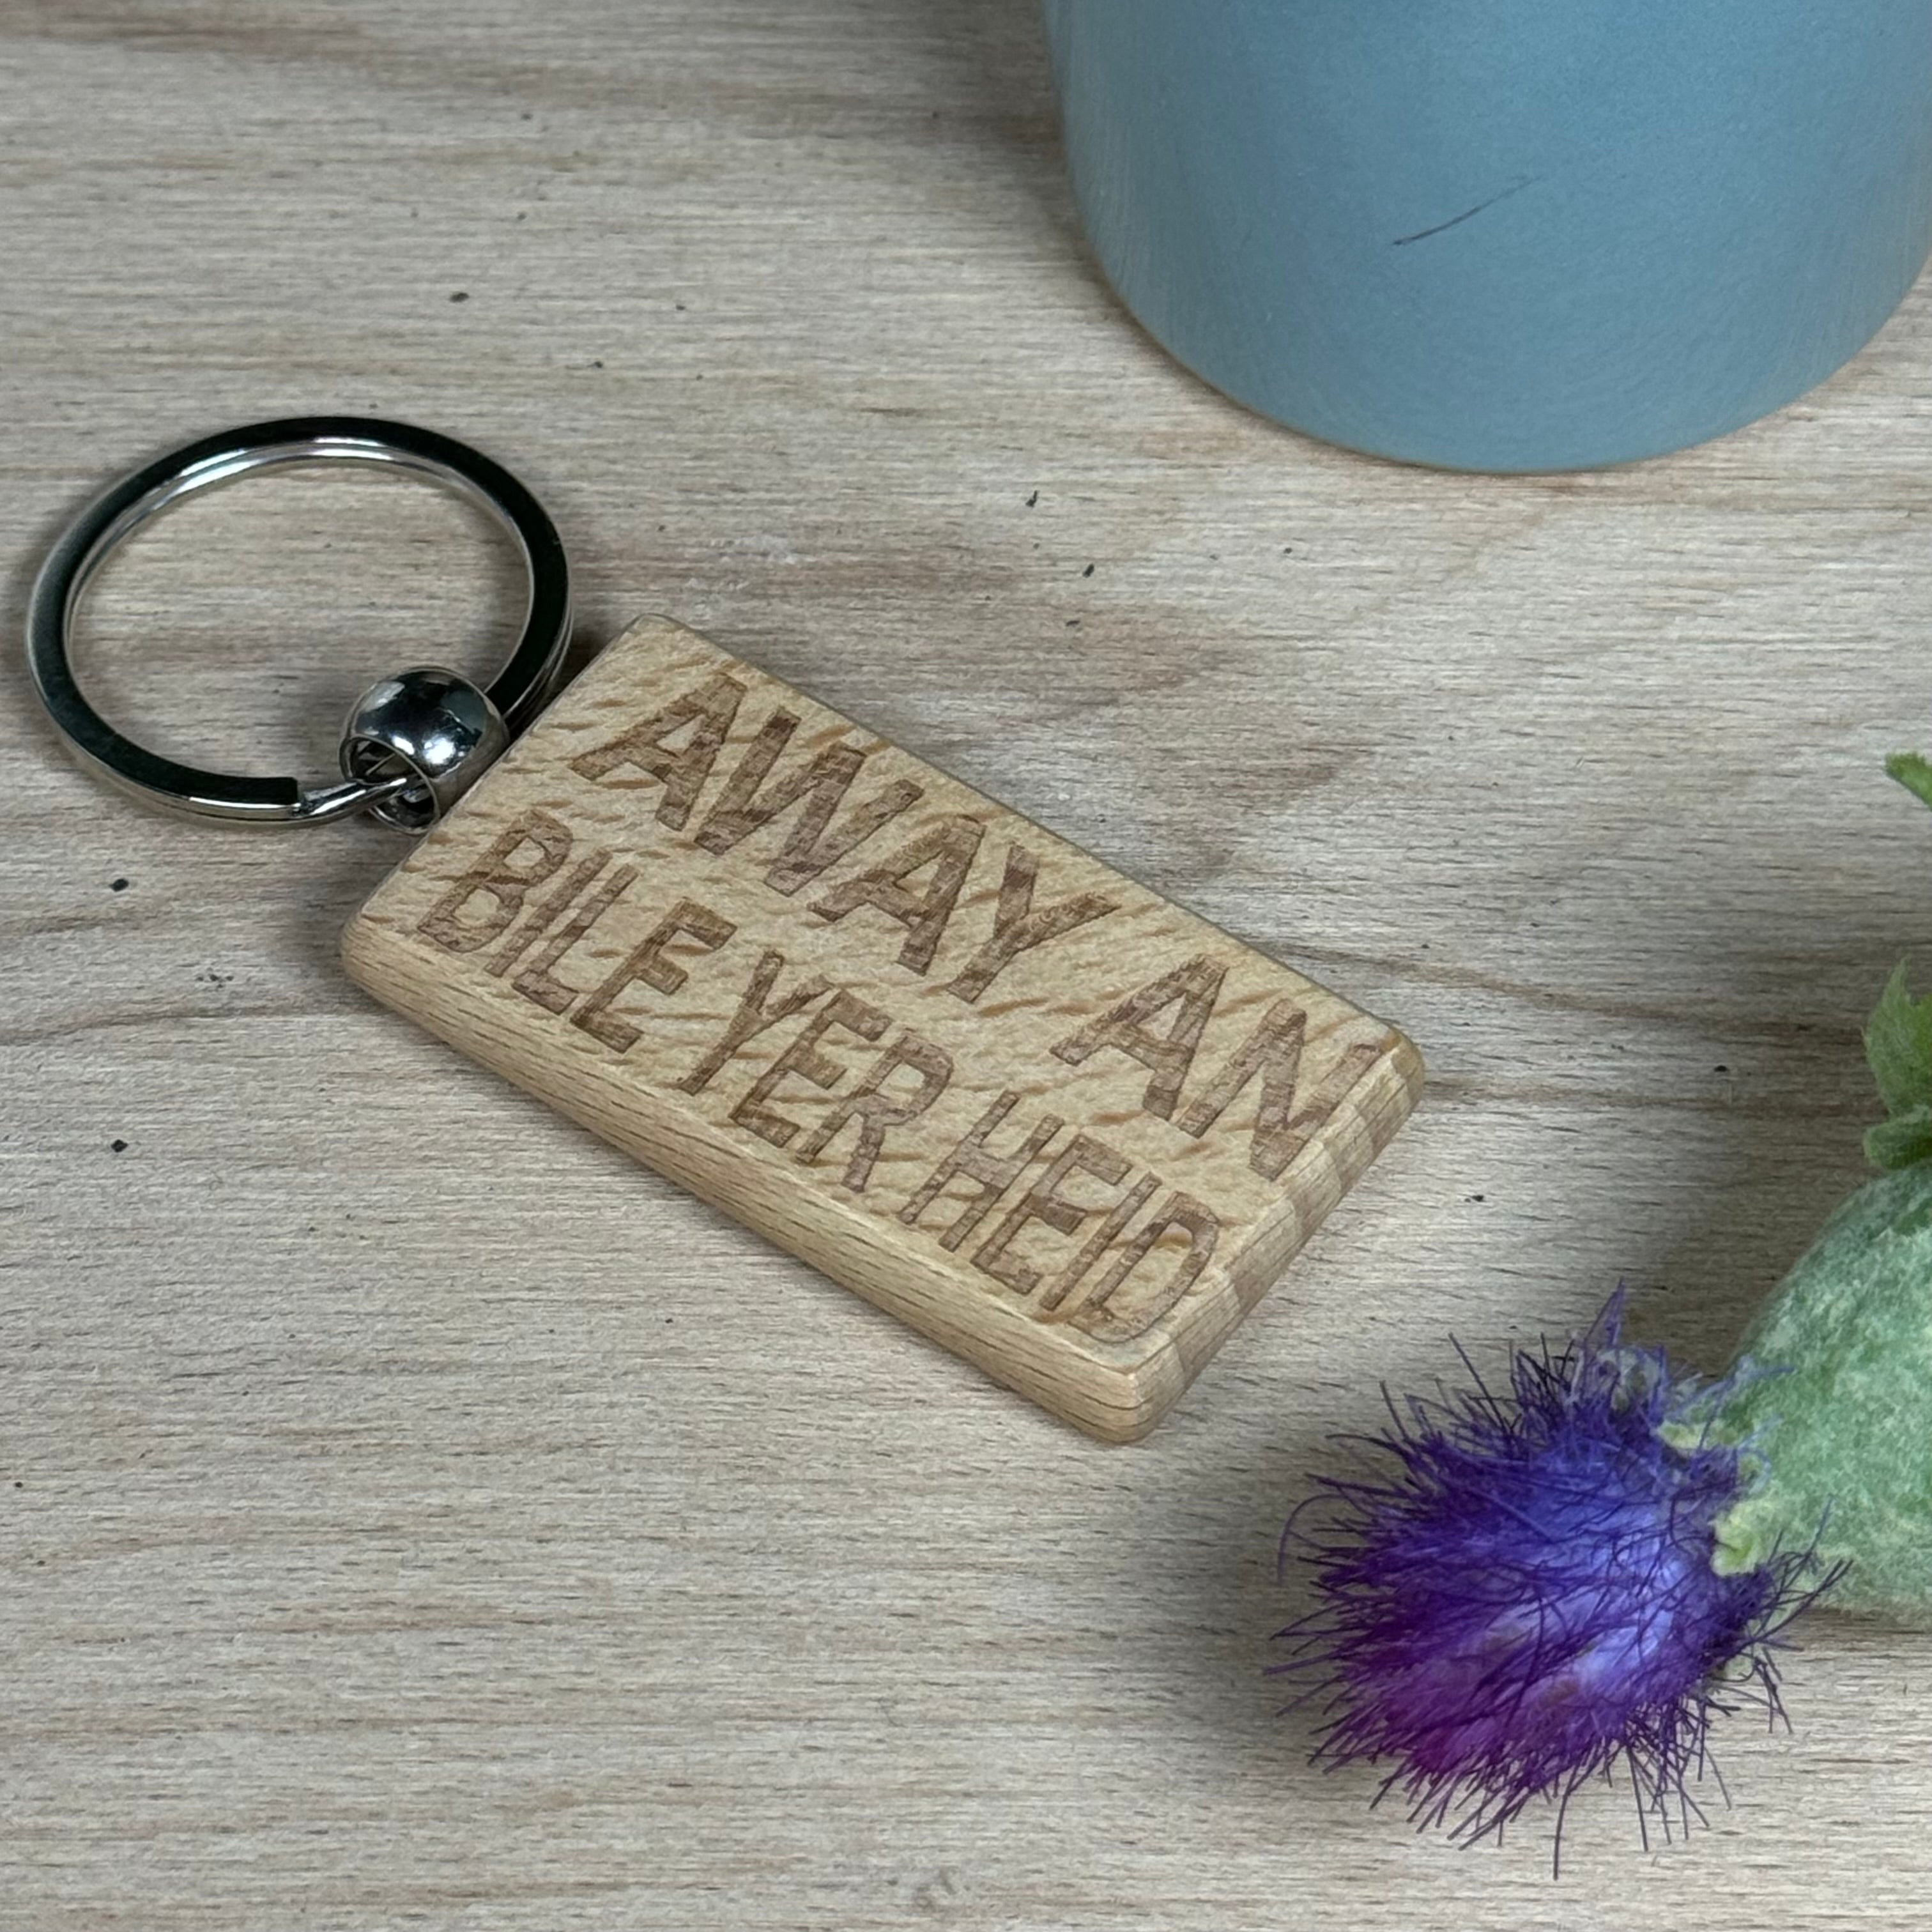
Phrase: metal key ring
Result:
[414,741]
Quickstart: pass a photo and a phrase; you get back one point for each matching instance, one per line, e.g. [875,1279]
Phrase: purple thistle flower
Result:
[1520,1593]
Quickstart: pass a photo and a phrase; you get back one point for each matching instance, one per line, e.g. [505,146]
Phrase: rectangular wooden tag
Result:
[1049,1119]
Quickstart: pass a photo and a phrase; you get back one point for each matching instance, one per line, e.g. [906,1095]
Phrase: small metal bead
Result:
[430,726]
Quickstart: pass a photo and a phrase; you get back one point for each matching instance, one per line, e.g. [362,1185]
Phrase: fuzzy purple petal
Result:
[1521,1593]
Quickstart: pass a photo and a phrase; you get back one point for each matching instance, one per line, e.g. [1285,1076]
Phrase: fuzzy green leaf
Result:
[1898,1043]
[1898,1040]
[1904,1140]
[1912,771]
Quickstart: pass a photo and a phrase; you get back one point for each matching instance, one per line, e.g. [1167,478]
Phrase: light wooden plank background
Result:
[413,1514]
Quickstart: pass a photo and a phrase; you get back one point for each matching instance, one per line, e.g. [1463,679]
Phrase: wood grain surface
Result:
[414,1513]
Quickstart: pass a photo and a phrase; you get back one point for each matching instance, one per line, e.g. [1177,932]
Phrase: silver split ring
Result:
[415,742]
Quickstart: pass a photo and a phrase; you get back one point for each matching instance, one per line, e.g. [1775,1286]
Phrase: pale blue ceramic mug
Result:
[1503,234]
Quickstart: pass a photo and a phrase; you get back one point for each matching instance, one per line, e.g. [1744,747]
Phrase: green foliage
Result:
[1912,771]
[1898,1043]
[1834,1402]
[1834,1405]
[1904,1140]
[1898,1040]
